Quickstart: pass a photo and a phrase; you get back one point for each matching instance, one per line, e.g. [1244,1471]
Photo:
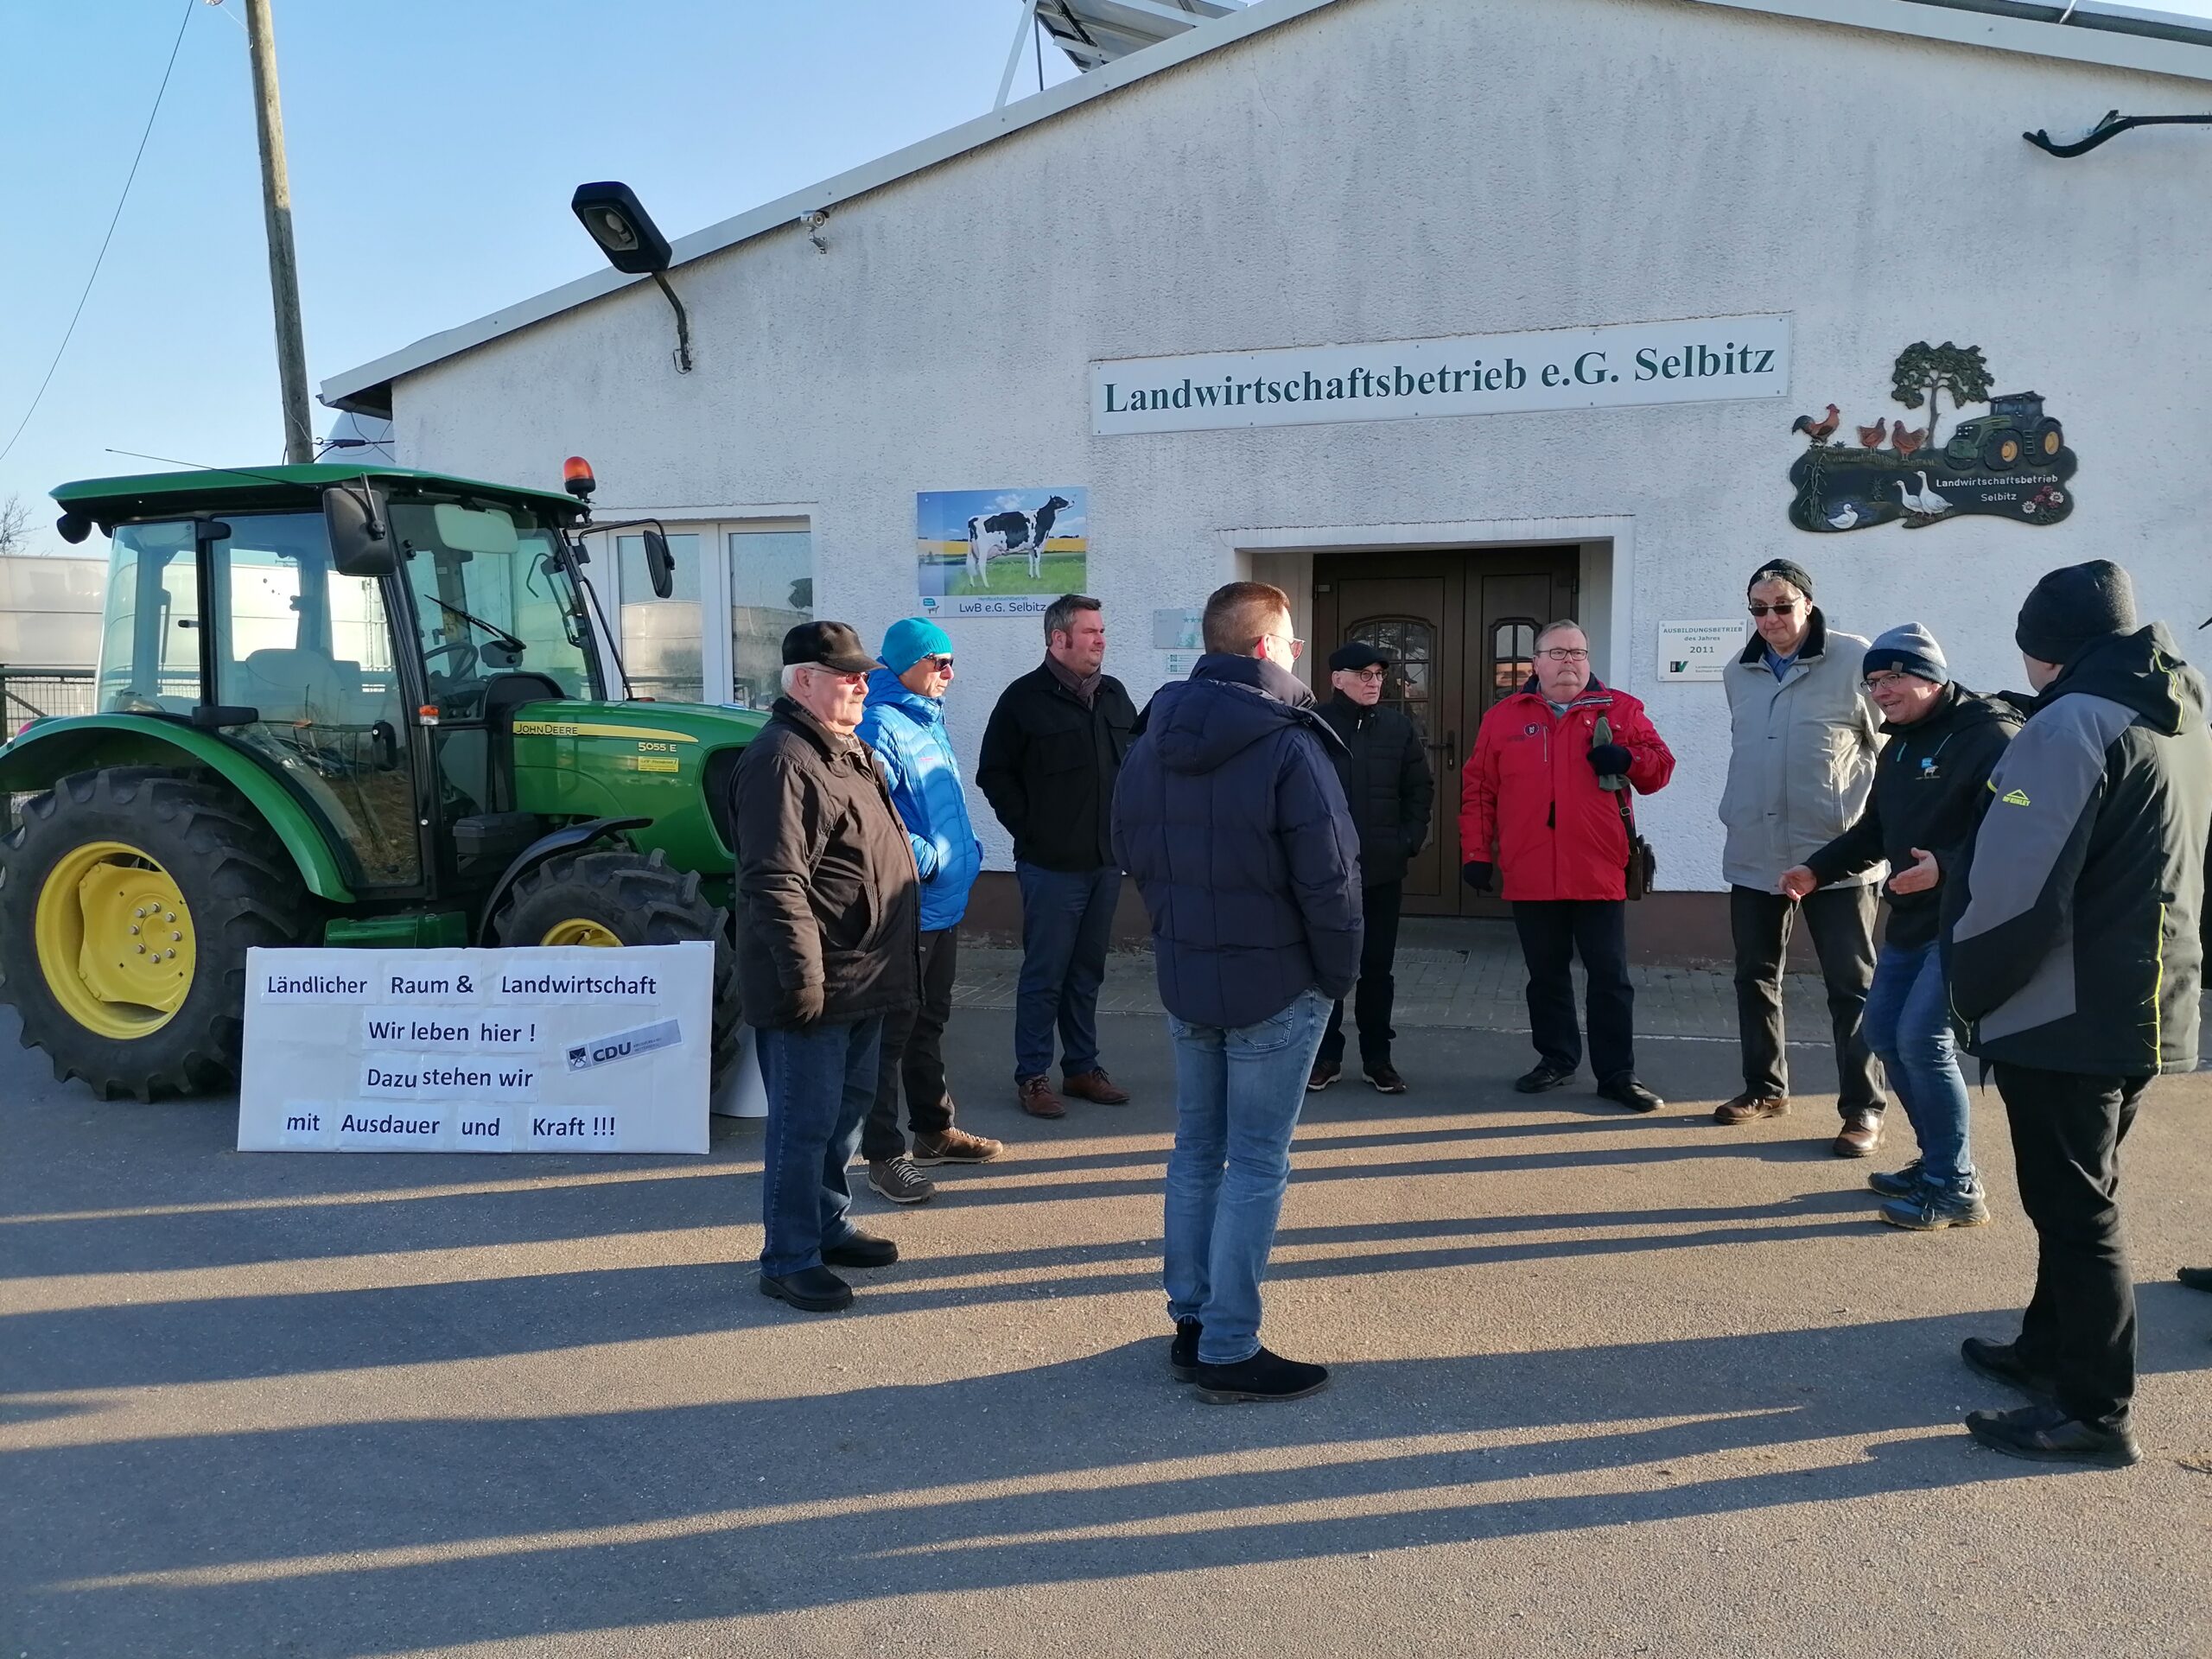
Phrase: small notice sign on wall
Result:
[1699,651]
[566,1049]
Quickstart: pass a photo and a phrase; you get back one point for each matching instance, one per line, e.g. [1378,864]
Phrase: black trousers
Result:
[1841,922]
[2079,1326]
[1376,990]
[913,1052]
[1553,932]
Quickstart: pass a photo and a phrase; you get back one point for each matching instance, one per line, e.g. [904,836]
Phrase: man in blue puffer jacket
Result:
[1229,816]
[904,723]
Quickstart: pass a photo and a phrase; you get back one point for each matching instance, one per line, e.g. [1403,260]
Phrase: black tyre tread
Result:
[243,890]
[642,899]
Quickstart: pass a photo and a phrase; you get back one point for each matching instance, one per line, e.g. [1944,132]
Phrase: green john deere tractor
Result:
[349,709]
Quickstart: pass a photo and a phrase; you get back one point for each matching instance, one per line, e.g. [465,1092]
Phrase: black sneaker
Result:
[2001,1363]
[1902,1184]
[1264,1377]
[811,1290]
[1324,1073]
[860,1250]
[2047,1435]
[1934,1208]
[1386,1079]
[1545,1076]
[1622,1089]
[1183,1352]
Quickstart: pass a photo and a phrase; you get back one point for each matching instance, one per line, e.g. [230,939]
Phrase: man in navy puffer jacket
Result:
[1229,816]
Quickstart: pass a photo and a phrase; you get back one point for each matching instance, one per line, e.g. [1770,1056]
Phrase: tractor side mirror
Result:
[360,539]
[660,564]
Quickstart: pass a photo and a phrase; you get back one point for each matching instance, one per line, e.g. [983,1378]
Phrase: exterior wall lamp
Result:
[2112,126]
[625,233]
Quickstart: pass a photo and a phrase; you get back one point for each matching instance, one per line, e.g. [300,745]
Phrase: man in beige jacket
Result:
[1802,740]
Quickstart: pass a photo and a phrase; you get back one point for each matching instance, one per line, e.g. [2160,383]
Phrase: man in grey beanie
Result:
[1931,786]
[2070,943]
[1803,738]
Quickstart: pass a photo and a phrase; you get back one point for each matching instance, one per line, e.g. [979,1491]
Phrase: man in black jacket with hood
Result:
[2071,944]
[1391,792]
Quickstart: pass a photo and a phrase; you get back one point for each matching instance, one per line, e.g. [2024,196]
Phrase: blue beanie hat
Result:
[909,639]
[1911,648]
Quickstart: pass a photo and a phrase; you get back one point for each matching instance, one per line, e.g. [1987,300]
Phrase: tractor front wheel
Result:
[613,896]
[127,900]
[2001,451]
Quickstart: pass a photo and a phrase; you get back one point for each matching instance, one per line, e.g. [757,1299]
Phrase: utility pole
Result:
[283,266]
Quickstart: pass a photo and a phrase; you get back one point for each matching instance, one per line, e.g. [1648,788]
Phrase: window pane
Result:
[770,592]
[660,636]
[1513,657]
[149,641]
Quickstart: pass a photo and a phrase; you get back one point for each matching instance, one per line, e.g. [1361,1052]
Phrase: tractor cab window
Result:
[150,634]
[490,599]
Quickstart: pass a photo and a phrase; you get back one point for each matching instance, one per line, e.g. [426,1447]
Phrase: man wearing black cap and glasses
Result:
[2070,942]
[829,912]
[1391,792]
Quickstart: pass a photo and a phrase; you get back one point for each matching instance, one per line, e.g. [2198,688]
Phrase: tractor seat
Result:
[292,687]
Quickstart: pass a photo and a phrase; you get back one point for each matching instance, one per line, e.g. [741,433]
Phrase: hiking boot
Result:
[1094,1085]
[1861,1133]
[1544,1076]
[1386,1079]
[860,1250]
[2001,1363]
[955,1147]
[897,1179]
[1324,1073]
[2047,1435]
[1903,1183]
[1183,1352]
[2195,1278]
[1936,1207]
[1036,1098]
[811,1290]
[1264,1377]
[1748,1108]
[1623,1089]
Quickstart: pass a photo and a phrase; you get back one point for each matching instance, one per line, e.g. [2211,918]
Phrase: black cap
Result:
[826,644]
[2071,606]
[1358,654]
[1782,570]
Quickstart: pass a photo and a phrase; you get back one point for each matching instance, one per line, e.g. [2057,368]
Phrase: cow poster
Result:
[1000,552]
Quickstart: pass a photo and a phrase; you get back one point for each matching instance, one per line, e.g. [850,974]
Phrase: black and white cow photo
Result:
[1006,533]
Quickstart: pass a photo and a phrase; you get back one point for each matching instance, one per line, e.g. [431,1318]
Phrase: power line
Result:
[69,333]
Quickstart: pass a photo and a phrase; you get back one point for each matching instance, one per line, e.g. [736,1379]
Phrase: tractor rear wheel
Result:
[127,900]
[613,896]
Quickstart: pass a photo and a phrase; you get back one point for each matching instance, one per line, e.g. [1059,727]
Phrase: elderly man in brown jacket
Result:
[829,910]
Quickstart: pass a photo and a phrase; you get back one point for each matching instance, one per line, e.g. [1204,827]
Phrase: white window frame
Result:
[717,672]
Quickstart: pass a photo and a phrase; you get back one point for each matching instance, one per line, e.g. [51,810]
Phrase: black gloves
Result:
[1476,874]
[1609,760]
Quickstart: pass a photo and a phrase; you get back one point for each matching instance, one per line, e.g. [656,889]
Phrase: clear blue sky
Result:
[433,146]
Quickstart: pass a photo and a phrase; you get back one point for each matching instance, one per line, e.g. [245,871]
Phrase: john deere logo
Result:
[2016,798]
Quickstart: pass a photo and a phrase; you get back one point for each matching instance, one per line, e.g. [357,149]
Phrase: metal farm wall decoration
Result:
[2013,462]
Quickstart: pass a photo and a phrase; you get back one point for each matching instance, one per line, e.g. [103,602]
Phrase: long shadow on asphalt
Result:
[414,1534]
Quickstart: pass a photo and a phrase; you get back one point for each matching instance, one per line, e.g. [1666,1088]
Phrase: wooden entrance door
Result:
[1463,628]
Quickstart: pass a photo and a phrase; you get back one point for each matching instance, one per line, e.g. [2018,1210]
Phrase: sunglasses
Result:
[940,661]
[1782,609]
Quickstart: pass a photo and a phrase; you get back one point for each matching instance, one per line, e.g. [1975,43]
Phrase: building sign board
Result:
[1699,651]
[563,1049]
[1699,360]
[1000,552]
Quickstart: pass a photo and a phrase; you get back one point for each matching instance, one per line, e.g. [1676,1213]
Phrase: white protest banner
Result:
[565,1049]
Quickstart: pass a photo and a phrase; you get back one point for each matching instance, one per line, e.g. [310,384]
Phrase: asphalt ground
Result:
[1604,1385]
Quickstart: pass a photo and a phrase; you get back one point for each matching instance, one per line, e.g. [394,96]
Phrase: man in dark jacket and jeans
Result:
[1390,791]
[827,914]
[1232,820]
[2071,943]
[1050,757]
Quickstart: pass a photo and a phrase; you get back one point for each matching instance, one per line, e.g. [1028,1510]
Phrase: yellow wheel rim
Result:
[577,930]
[115,940]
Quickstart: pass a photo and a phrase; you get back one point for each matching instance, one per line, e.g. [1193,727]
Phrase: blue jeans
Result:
[1237,1094]
[1067,919]
[821,1081]
[1908,1024]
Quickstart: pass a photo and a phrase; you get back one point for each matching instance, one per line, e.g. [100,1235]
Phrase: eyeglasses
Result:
[941,661]
[1877,681]
[1372,676]
[1781,609]
[1565,653]
[1297,647]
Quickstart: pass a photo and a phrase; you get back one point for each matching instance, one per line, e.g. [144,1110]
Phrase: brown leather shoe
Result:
[1862,1133]
[1036,1098]
[1094,1085]
[1750,1107]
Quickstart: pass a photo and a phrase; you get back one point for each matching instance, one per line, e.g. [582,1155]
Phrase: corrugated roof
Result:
[2100,32]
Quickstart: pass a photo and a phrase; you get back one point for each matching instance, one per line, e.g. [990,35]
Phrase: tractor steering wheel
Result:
[462,666]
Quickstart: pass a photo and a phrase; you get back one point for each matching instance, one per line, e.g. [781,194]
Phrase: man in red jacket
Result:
[1543,800]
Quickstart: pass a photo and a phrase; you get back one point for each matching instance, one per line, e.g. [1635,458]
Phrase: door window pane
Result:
[770,592]
[1409,685]
[660,636]
[1512,656]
